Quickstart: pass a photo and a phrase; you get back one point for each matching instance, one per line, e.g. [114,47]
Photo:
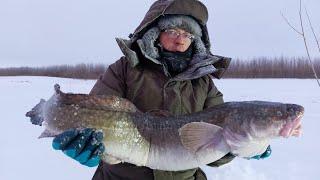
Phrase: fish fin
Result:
[57,89]
[47,133]
[197,135]
[117,103]
[35,114]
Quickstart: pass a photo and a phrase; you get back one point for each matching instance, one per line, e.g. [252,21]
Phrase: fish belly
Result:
[124,143]
[167,153]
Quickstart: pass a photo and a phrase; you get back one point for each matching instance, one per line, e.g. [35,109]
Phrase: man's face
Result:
[175,40]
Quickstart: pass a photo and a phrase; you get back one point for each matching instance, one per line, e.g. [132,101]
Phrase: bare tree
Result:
[312,29]
[303,35]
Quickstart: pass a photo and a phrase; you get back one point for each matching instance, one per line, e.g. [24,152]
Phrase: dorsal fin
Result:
[116,103]
[91,101]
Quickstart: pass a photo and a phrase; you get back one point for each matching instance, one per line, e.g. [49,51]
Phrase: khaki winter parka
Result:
[147,83]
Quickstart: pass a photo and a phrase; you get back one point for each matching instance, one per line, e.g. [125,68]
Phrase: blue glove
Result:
[264,155]
[85,146]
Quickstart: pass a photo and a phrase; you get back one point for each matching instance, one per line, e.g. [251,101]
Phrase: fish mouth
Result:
[292,128]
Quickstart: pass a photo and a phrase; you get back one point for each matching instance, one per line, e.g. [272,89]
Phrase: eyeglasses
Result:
[175,34]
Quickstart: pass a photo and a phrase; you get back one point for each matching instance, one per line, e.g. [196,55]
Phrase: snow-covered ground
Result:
[23,156]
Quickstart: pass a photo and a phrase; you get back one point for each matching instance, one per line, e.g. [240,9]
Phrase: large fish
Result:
[168,142]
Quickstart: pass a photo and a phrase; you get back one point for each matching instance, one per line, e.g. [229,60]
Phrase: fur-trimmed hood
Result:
[201,64]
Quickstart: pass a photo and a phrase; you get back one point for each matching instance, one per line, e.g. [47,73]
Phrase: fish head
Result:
[293,123]
[276,119]
[253,124]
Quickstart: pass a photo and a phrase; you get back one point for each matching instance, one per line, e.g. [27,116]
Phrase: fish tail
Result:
[47,133]
[35,114]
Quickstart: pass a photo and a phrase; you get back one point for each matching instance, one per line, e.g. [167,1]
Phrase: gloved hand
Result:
[85,146]
[264,155]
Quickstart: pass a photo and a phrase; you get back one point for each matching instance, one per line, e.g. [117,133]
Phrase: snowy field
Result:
[23,156]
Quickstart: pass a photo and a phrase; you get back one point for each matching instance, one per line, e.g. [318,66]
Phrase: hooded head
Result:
[186,23]
[189,15]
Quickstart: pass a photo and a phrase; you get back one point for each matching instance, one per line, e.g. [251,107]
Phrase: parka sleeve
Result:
[113,81]
[214,98]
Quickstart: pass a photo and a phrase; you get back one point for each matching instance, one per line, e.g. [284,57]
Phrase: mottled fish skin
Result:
[170,143]
[246,126]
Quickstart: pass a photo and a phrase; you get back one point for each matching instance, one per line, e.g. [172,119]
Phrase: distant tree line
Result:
[265,67]
[262,67]
[79,71]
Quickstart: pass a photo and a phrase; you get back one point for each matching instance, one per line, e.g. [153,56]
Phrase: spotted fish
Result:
[168,142]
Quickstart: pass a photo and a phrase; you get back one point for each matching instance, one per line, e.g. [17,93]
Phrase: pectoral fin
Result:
[197,135]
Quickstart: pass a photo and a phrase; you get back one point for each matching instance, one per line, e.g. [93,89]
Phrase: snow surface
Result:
[23,156]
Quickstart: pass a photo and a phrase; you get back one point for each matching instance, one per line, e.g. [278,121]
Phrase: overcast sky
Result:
[49,32]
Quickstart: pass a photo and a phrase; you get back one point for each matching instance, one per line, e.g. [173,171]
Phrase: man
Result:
[167,65]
